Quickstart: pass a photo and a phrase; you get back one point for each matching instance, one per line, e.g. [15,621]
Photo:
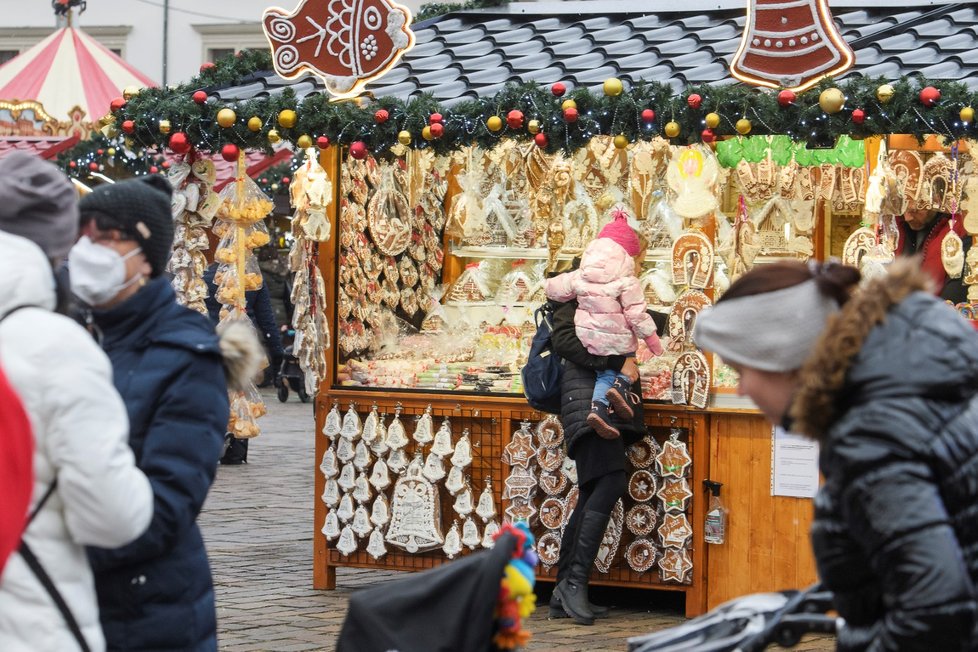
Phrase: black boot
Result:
[622,399]
[572,590]
[599,419]
[568,541]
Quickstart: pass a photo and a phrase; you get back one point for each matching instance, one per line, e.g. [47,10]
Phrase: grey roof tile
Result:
[472,54]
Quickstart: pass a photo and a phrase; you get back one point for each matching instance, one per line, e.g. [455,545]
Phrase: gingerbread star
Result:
[519,451]
[675,530]
[674,494]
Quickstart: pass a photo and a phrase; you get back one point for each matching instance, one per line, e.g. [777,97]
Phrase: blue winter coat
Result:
[156,593]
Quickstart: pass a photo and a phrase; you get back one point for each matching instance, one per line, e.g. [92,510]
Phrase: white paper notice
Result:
[794,465]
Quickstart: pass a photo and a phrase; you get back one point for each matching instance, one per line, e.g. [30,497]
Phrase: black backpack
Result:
[543,369]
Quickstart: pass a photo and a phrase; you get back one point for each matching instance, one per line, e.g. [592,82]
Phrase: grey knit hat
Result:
[141,208]
[38,202]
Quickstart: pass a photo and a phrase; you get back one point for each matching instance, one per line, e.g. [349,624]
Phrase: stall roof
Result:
[47,147]
[465,55]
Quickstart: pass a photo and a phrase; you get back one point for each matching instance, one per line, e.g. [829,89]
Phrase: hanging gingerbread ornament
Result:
[361,522]
[791,45]
[380,511]
[380,476]
[455,481]
[375,546]
[443,440]
[486,509]
[453,542]
[351,424]
[396,436]
[331,526]
[423,431]
[489,534]
[416,512]
[462,457]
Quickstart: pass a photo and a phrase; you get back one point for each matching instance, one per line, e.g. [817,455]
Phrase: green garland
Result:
[465,123]
[431,10]
[109,157]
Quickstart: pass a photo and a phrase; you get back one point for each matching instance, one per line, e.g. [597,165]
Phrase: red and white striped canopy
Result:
[69,69]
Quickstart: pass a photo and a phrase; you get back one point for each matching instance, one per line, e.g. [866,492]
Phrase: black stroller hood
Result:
[445,609]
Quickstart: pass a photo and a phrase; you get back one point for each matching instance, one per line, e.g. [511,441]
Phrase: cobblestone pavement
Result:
[258,526]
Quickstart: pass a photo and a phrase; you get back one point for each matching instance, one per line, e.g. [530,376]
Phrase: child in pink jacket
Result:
[611,314]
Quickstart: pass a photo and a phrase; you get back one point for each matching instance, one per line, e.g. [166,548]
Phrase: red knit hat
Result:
[619,231]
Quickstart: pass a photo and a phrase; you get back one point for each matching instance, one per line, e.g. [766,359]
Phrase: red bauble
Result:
[100,151]
[381,116]
[648,115]
[117,104]
[930,96]
[558,89]
[859,116]
[708,136]
[165,165]
[199,97]
[322,142]
[435,118]
[286,180]
[514,119]
[93,166]
[128,126]
[437,129]
[230,152]
[694,101]
[786,97]
[153,169]
[358,150]
[72,165]
[207,65]
[571,114]
[540,140]
[179,142]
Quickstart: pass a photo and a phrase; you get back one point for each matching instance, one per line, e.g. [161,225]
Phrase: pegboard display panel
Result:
[484,431]
[645,500]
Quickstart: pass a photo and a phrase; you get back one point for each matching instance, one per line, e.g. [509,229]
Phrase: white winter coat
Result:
[81,437]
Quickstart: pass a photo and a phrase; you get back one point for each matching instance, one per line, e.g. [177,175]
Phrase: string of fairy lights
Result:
[148,122]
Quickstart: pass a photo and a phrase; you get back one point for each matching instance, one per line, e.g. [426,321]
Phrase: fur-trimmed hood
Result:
[242,353]
[893,338]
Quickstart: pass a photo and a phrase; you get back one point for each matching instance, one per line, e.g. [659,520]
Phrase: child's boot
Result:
[622,399]
[600,420]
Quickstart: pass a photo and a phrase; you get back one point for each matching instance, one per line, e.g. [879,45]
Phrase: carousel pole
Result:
[166,39]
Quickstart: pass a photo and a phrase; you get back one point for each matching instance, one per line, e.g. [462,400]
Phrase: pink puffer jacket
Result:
[611,309]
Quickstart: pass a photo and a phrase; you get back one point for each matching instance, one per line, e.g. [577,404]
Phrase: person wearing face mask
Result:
[885,377]
[86,487]
[173,372]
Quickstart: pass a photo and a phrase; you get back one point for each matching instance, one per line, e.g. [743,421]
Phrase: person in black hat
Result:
[173,372]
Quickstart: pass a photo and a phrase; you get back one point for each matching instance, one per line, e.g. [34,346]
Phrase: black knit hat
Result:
[141,209]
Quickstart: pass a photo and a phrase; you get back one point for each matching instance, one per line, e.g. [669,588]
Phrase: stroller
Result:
[290,375]
[748,624]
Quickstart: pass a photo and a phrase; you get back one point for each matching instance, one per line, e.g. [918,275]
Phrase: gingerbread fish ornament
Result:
[345,42]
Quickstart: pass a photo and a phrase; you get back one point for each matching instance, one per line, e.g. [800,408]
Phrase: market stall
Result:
[423,231]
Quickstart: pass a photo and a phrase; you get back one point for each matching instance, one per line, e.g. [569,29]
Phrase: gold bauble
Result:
[226,117]
[110,151]
[130,92]
[254,123]
[494,123]
[286,118]
[426,133]
[164,126]
[568,104]
[304,141]
[831,100]
[621,141]
[712,120]
[743,126]
[404,137]
[885,93]
[533,126]
[967,114]
[613,87]
[672,129]
[273,136]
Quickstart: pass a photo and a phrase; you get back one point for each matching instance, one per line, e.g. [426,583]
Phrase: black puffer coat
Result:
[891,394]
[577,383]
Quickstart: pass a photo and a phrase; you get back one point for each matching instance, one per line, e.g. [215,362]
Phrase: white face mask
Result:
[98,273]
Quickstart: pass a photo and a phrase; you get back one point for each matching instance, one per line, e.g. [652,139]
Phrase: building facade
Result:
[167,40]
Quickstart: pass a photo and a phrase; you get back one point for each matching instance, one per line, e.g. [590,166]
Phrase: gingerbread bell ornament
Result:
[423,432]
[370,431]
[790,44]
[333,423]
[376,547]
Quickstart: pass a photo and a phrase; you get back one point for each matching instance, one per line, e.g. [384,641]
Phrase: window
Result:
[220,40]
[213,54]
[7,55]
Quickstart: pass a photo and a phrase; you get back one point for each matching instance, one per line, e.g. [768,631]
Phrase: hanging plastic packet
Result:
[715,528]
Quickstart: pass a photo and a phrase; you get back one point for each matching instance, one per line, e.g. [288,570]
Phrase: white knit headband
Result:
[773,331]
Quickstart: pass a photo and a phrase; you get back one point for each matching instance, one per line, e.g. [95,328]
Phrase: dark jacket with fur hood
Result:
[890,392]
